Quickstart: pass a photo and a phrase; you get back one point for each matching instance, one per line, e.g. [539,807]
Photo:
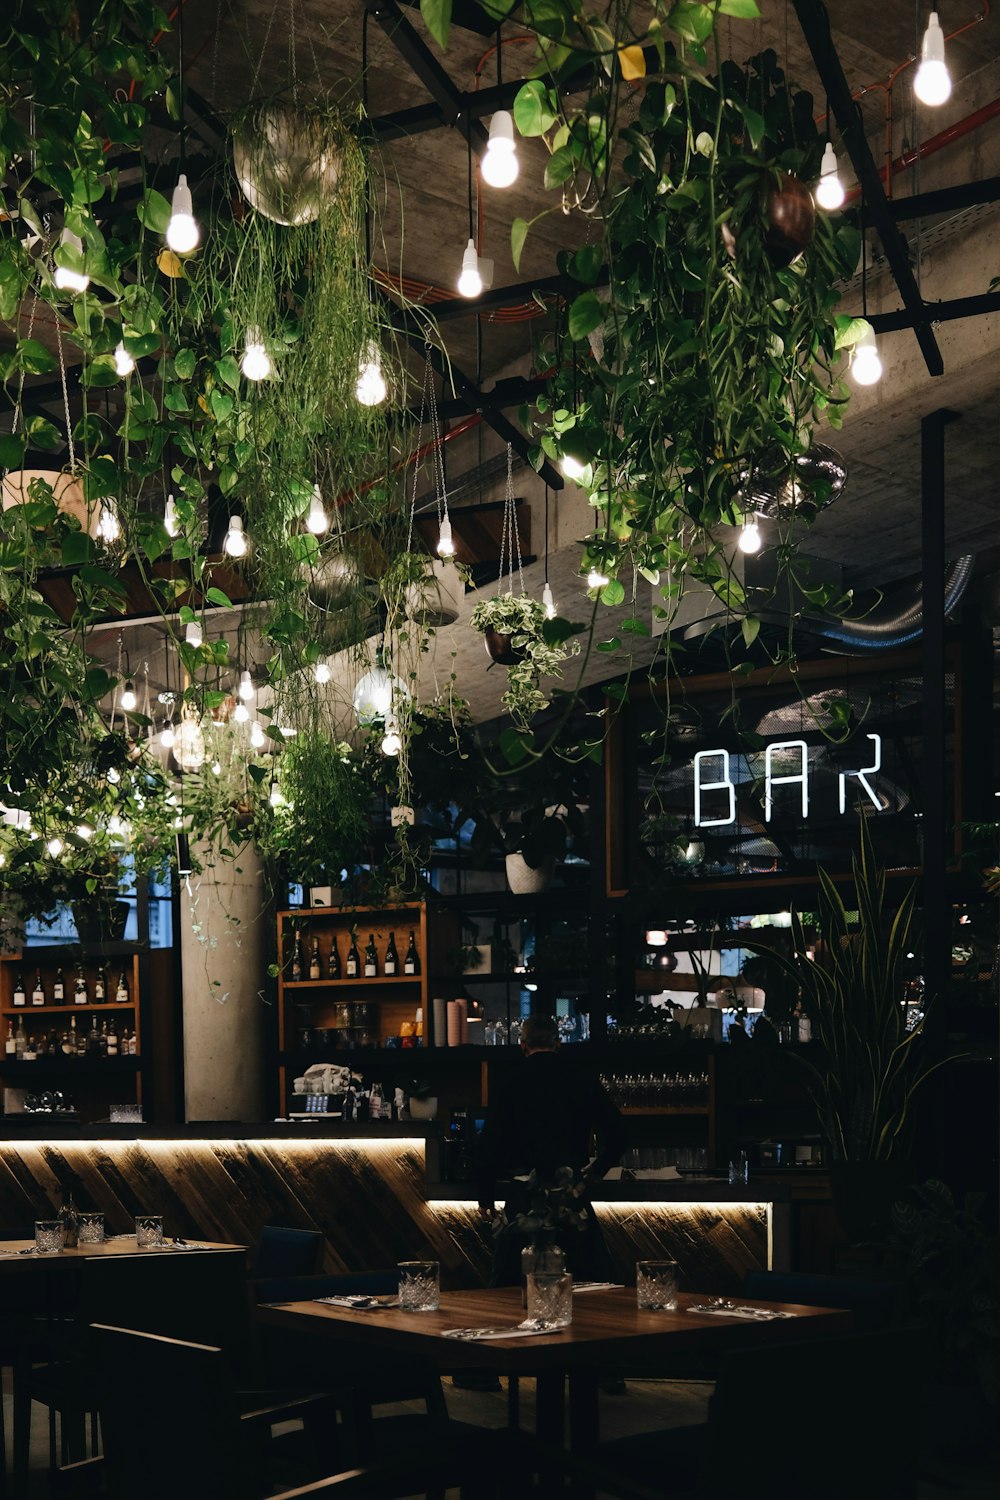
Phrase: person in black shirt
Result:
[544,1117]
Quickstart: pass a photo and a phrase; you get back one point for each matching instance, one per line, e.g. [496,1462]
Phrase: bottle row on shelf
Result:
[317,965]
[83,993]
[678,1090]
[106,1040]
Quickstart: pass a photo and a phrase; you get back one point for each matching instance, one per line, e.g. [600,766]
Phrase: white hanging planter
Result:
[67,491]
[437,598]
[525,879]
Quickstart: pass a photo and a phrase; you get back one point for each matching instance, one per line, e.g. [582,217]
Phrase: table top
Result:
[22,1254]
[607,1326]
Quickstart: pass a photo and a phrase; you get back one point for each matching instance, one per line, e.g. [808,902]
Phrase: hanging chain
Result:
[65,396]
[510,537]
[291,51]
[18,405]
[263,49]
[416,466]
[440,492]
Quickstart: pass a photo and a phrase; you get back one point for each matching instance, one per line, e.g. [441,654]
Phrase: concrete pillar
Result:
[222,967]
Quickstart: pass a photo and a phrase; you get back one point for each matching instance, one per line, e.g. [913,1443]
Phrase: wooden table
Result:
[607,1330]
[22,1255]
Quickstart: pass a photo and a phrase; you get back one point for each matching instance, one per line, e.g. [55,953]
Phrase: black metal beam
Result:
[511,392]
[431,116]
[815,24]
[469,16]
[414,50]
[936,312]
[946,200]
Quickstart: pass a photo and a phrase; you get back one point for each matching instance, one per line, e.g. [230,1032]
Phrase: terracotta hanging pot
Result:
[791,214]
[499,648]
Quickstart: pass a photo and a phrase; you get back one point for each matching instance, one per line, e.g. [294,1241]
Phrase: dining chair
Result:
[285,1251]
[823,1418]
[875,1304]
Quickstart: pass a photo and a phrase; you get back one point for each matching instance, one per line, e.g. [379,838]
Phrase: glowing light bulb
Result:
[245,690]
[256,362]
[167,736]
[124,363]
[189,751]
[572,467]
[932,84]
[193,634]
[113,776]
[376,692]
[829,191]
[392,741]
[446,542]
[596,579]
[321,671]
[258,738]
[470,282]
[548,602]
[183,233]
[499,164]
[274,796]
[84,831]
[216,768]
[750,537]
[65,279]
[317,520]
[370,388]
[171,525]
[241,714]
[866,366]
[55,846]
[108,526]
[235,543]
[129,700]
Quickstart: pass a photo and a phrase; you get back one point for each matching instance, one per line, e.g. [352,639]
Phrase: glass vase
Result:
[540,1255]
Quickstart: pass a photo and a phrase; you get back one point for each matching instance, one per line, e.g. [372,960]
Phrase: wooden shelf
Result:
[665,1109]
[55,1010]
[333,984]
[66,1065]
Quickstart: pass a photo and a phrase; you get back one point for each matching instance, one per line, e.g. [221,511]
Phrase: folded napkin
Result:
[730,1310]
[527,1330]
[358,1301]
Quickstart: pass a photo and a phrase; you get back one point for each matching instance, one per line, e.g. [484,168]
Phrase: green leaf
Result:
[740,10]
[518,235]
[614,644]
[185,363]
[750,626]
[217,596]
[849,330]
[585,314]
[613,593]
[228,372]
[533,111]
[154,211]
[35,358]
[437,19]
[515,744]
[11,450]
[560,165]
[221,404]
[77,548]
[693,22]
[585,264]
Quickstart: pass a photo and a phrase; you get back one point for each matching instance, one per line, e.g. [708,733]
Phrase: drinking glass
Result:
[739,1170]
[550,1298]
[50,1236]
[148,1231]
[656,1283]
[419,1285]
[90,1229]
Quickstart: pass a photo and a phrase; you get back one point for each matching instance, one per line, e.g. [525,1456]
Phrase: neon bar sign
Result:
[713,783]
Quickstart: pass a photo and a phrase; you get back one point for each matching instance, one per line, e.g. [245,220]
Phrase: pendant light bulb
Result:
[108,526]
[245,689]
[376,692]
[167,736]
[241,714]
[317,520]
[55,846]
[392,742]
[65,279]
[183,233]
[171,525]
[548,603]
[750,537]
[256,362]
[84,831]
[596,579]
[274,796]
[470,282]
[235,542]
[129,699]
[321,671]
[571,467]
[446,542]
[499,164]
[829,193]
[193,634]
[124,363]
[189,749]
[932,84]
[866,366]
[370,388]
[258,738]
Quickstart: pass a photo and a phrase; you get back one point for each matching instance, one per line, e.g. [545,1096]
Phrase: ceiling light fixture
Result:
[274,796]
[470,282]
[129,699]
[392,740]
[55,846]
[376,692]
[183,233]
[932,84]
[256,362]
[189,749]
[108,526]
[866,364]
[167,735]
[829,191]
[124,363]
[499,165]
[548,602]
[171,525]
[446,542]
[241,714]
[68,280]
[235,543]
[245,690]
[370,388]
[321,671]
[258,738]
[596,579]
[572,468]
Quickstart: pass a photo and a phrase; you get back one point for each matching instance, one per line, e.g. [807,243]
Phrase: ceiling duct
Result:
[885,630]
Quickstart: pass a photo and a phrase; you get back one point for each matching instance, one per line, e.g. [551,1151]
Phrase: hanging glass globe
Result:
[286,166]
[377,692]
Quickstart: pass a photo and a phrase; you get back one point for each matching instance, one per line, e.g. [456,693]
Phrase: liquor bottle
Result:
[333,968]
[102,1039]
[122,992]
[411,963]
[10,1046]
[80,996]
[391,958]
[353,959]
[89,1045]
[20,1042]
[20,997]
[38,993]
[68,1219]
[371,958]
[377,1107]
[69,1039]
[100,986]
[30,1053]
[315,962]
[59,989]
[131,1044]
[112,1040]
[297,956]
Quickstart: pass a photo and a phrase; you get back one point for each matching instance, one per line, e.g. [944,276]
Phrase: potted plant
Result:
[514,629]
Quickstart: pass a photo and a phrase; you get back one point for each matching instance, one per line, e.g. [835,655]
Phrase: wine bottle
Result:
[20,996]
[102,1039]
[371,958]
[112,1040]
[10,1046]
[59,988]
[68,1219]
[89,1044]
[297,955]
[122,992]
[38,993]
[20,1042]
[100,986]
[411,963]
[80,996]
[391,958]
[353,959]
[30,1051]
[333,968]
[315,962]
[69,1039]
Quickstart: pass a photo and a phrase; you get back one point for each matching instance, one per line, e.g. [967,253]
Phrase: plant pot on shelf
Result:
[499,648]
[100,921]
[525,879]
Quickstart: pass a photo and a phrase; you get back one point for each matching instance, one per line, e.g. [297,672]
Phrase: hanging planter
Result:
[791,213]
[434,598]
[500,649]
[525,879]
[286,165]
[67,492]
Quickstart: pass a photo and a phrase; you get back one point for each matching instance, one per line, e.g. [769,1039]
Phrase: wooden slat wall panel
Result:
[366,1196]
